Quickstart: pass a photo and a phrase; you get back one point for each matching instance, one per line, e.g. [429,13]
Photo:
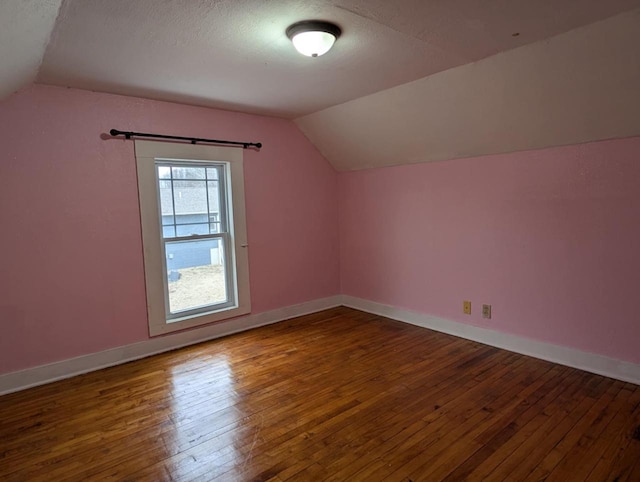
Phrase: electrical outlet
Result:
[486,311]
[466,307]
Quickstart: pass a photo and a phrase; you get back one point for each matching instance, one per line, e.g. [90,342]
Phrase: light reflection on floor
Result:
[204,400]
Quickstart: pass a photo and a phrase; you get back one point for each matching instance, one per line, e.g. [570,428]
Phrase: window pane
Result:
[180,172]
[213,192]
[212,173]
[166,203]
[191,229]
[196,274]
[164,172]
[195,218]
[169,231]
[189,197]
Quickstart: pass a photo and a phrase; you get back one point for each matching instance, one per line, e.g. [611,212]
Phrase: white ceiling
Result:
[234,54]
[25,27]
[580,86]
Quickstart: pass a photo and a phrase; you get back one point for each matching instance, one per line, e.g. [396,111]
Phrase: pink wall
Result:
[550,238]
[72,282]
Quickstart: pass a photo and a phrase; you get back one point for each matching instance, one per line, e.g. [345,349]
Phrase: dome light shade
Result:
[312,37]
[313,44]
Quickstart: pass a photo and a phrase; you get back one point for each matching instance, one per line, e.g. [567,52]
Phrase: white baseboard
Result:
[31,377]
[601,365]
[590,362]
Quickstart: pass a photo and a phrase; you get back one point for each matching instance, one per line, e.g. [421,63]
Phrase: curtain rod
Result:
[193,140]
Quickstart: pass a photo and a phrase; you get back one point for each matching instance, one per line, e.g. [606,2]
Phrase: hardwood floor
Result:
[335,396]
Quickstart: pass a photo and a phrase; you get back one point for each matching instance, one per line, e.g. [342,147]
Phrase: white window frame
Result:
[147,153]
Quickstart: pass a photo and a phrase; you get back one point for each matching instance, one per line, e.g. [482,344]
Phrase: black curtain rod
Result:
[193,140]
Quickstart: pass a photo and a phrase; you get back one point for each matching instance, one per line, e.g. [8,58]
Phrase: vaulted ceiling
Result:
[405,82]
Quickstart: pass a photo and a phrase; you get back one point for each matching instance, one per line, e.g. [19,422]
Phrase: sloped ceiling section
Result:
[579,86]
[25,28]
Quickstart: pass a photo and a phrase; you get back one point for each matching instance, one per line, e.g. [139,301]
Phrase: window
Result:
[194,234]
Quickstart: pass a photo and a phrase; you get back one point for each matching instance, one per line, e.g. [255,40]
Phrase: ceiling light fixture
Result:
[313,38]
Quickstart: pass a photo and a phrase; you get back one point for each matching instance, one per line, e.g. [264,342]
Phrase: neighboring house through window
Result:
[194,234]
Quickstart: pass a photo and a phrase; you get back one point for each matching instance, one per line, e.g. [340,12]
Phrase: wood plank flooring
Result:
[339,395]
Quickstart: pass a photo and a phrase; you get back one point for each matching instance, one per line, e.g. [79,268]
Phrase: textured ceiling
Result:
[25,27]
[580,86]
[234,54]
